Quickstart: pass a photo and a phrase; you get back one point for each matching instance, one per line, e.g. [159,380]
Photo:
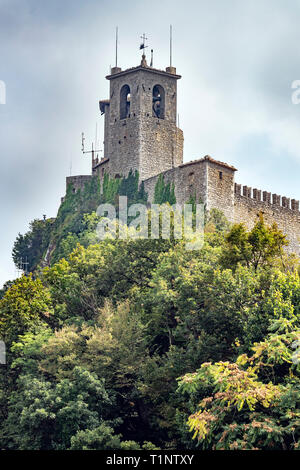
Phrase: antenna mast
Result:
[170,45]
[96,139]
[92,151]
[117,46]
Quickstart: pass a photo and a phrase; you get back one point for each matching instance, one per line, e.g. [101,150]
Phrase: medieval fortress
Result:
[141,133]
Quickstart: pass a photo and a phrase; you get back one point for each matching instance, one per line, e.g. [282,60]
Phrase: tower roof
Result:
[210,159]
[117,72]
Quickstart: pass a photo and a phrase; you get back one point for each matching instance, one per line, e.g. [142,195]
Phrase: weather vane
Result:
[143,45]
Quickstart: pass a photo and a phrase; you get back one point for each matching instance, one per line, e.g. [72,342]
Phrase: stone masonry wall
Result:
[220,187]
[200,178]
[77,182]
[189,180]
[124,146]
[249,203]
[240,204]
[213,183]
[161,146]
[101,169]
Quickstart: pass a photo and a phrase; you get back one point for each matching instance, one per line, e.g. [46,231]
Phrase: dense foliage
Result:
[49,240]
[164,192]
[131,344]
[30,248]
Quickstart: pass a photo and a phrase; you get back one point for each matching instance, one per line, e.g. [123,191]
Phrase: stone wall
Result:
[77,182]
[220,187]
[212,182]
[161,146]
[101,168]
[188,179]
[248,204]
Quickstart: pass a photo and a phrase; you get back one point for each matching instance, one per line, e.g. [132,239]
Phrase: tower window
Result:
[191,178]
[220,175]
[158,102]
[124,102]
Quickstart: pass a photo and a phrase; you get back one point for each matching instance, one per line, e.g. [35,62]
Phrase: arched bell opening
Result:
[158,102]
[124,102]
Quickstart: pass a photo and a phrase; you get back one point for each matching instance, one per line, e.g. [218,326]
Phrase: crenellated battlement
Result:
[266,197]
[250,203]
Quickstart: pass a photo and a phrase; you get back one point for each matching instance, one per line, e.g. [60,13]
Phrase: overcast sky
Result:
[237,58]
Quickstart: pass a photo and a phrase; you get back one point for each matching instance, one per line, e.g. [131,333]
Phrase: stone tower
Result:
[140,131]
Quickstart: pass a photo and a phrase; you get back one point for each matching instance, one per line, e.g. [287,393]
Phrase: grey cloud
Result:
[237,60]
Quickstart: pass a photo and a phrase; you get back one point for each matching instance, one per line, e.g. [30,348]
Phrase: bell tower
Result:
[140,131]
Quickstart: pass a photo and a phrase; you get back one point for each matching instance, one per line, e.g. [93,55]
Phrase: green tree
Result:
[44,415]
[215,221]
[258,247]
[23,306]
[110,269]
[100,438]
[98,339]
[126,186]
[251,404]
[164,192]
[31,247]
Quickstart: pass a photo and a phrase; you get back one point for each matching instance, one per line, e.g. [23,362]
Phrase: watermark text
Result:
[296,93]
[159,221]
[2,92]
[2,353]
